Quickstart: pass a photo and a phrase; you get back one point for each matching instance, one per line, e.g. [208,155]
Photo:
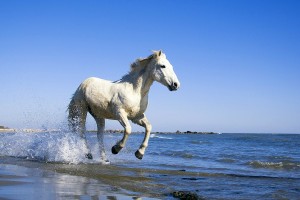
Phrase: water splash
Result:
[62,147]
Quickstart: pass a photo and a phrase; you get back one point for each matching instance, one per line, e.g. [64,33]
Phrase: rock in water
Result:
[185,195]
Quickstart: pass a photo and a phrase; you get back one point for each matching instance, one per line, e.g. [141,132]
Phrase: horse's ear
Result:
[159,53]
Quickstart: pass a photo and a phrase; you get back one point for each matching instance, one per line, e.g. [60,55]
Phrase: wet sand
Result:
[28,179]
[18,182]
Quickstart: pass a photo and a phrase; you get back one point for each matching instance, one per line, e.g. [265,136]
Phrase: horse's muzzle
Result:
[174,86]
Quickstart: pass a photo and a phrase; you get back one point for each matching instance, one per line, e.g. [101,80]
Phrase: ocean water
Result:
[218,166]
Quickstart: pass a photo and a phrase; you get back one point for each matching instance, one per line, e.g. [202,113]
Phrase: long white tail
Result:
[77,115]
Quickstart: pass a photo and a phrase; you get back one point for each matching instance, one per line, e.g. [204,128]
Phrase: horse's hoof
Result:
[115,149]
[139,155]
[105,161]
[89,156]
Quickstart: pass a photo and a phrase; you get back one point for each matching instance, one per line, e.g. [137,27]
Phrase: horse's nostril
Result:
[175,84]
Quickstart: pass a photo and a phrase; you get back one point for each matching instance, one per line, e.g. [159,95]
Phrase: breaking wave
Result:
[284,165]
[159,136]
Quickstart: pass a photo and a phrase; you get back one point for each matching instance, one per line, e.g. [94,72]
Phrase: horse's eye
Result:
[163,66]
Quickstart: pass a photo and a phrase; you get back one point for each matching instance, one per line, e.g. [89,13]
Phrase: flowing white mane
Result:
[137,68]
[141,63]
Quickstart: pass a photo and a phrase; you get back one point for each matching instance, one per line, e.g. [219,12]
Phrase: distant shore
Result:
[29,130]
[25,130]
[158,132]
[6,129]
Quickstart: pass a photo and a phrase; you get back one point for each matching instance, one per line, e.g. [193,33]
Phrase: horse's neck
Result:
[141,82]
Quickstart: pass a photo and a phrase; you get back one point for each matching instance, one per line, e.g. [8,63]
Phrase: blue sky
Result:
[237,61]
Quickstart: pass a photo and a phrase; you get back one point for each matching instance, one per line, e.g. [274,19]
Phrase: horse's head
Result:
[163,71]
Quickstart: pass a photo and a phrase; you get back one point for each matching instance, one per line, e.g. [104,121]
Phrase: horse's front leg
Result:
[122,118]
[143,121]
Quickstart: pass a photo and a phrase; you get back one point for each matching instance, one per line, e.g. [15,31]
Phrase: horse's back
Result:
[97,94]
[103,98]
[94,85]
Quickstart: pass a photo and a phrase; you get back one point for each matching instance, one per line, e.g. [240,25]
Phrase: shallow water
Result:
[225,166]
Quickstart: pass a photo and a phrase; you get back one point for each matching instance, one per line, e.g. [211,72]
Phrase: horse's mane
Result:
[139,65]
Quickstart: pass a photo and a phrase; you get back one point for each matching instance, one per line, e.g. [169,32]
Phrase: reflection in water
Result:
[42,184]
[77,187]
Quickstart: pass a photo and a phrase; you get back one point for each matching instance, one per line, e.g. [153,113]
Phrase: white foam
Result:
[159,136]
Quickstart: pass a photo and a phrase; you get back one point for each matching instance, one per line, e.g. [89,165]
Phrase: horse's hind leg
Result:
[100,135]
[82,121]
[143,121]
[77,119]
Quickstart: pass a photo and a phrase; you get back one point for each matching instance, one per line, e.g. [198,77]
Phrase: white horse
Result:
[121,100]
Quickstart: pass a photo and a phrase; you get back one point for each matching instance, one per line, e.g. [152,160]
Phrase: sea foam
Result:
[284,165]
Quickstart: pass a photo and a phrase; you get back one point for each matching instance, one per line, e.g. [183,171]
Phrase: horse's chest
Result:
[136,108]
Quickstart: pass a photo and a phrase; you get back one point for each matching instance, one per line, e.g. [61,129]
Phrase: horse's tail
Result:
[77,113]
[72,114]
